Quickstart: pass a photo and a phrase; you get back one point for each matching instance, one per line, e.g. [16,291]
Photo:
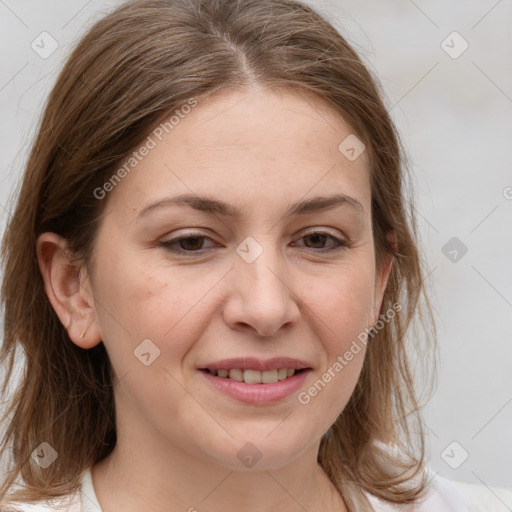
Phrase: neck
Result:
[134,477]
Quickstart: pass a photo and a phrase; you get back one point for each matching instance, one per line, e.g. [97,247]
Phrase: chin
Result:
[258,452]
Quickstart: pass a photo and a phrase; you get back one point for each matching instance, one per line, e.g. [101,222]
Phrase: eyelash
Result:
[167,244]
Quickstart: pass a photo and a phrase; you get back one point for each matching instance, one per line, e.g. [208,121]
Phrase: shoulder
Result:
[34,507]
[70,503]
[481,497]
[38,507]
[442,496]
[83,500]
[41,507]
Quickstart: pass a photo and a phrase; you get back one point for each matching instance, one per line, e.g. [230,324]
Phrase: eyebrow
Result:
[214,206]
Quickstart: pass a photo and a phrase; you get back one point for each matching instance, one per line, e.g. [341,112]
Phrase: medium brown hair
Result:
[139,63]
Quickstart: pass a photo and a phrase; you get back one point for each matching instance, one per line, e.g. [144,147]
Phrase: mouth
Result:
[250,376]
[257,381]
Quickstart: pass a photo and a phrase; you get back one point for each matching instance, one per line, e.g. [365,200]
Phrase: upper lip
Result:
[252,363]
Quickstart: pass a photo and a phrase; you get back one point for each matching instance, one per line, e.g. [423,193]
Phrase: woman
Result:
[211,269]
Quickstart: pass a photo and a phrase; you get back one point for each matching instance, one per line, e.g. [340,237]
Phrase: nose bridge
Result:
[260,263]
[264,299]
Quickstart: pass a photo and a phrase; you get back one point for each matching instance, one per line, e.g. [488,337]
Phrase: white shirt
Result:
[443,496]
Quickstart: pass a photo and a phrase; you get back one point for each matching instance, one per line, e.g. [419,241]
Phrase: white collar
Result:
[89,501]
[442,496]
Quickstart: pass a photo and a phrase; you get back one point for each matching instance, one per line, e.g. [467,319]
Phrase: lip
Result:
[253,363]
[257,393]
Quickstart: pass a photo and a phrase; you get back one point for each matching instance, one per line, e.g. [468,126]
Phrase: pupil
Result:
[192,246]
[317,237]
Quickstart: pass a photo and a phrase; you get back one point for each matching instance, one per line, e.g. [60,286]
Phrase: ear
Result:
[68,289]
[382,276]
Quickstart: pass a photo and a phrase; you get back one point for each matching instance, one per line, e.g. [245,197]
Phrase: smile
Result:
[255,376]
[248,385]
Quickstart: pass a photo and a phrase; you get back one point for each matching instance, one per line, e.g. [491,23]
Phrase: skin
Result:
[259,150]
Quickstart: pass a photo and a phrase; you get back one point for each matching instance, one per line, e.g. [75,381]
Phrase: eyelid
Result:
[185,235]
[340,243]
[323,231]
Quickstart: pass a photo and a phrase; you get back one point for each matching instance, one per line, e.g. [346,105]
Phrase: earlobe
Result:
[63,286]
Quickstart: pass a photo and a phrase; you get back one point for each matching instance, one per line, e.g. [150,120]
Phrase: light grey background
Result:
[455,117]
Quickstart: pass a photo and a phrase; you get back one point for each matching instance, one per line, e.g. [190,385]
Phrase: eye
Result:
[319,238]
[188,244]
[194,243]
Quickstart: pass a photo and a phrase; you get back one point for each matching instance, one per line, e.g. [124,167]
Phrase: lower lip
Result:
[258,393]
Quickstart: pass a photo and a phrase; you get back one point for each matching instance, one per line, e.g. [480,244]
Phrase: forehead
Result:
[264,144]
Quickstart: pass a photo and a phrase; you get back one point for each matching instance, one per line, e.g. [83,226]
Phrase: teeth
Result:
[282,373]
[236,375]
[255,376]
[269,377]
[252,376]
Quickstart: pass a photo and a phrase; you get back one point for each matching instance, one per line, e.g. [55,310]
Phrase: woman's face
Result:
[263,279]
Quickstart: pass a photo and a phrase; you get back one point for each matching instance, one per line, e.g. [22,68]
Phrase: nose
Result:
[261,298]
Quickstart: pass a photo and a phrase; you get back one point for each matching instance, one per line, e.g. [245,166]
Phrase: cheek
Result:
[339,306]
[139,300]
[339,309]
[341,300]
